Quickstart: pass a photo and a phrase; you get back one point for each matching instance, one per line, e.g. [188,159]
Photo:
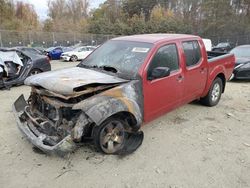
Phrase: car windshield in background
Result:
[50,49]
[223,45]
[79,48]
[125,57]
[241,52]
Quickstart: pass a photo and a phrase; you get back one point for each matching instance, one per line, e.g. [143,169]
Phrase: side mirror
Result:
[159,72]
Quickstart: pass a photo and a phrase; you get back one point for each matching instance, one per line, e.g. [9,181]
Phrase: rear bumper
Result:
[26,125]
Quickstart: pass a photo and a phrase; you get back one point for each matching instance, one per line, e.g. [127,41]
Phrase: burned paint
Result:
[56,81]
[55,120]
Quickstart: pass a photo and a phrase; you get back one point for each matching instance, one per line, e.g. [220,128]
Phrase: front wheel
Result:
[110,136]
[214,94]
[74,58]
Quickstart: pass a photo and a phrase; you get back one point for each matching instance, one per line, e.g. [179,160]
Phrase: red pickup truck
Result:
[126,82]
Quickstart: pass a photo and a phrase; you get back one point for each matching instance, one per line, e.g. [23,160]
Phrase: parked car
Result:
[123,84]
[40,49]
[78,53]
[55,53]
[242,65]
[208,44]
[28,49]
[222,47]
[28,63]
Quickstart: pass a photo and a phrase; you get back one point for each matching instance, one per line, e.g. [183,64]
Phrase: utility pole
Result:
[1,42]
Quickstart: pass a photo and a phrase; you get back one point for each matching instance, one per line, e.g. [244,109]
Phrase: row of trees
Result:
[63,16]
[18,16]
[203,17]
[122,17]
[67,15]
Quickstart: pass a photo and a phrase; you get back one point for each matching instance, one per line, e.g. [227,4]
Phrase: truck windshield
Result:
[125,57]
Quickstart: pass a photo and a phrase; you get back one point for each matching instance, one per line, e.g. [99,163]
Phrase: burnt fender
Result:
[99,108]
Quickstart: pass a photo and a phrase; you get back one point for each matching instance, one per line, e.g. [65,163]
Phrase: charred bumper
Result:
[27,125]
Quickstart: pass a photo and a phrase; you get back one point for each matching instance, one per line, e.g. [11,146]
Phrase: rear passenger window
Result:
[166,56]
[192,52]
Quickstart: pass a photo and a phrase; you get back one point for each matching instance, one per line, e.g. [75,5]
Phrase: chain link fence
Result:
[48,39]
[233,40]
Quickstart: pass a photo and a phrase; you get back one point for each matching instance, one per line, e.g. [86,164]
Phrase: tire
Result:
[34,72]
[110,136]
[214,94]
[73,58]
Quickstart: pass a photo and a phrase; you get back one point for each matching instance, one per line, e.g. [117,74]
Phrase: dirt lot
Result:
[193,146]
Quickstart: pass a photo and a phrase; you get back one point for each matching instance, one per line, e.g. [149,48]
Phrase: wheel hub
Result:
[216,92]
[112,137]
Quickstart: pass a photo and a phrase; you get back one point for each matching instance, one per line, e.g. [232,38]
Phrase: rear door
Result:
[163,94]
[195,70]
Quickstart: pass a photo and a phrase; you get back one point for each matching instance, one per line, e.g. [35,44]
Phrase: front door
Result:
[163,94]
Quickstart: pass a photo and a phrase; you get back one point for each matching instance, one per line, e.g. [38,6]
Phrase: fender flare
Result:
[220,70]
[99,108]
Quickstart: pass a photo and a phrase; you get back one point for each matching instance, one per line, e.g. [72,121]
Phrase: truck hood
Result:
[72,80]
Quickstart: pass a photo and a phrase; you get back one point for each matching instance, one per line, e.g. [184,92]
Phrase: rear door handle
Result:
[180,78]
[202,70]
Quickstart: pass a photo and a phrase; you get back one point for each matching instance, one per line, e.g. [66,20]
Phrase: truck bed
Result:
[226,60]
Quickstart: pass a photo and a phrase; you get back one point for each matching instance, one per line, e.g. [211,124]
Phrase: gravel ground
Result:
[193,146]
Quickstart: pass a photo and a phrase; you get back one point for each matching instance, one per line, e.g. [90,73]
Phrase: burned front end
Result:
[55,123]
[50,123]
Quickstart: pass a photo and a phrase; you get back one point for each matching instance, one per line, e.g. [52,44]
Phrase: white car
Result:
[79,53]
[208,44]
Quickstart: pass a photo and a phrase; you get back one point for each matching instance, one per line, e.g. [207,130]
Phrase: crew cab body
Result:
[123,84]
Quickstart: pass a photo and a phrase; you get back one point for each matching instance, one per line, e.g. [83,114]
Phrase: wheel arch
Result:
[223,78]
[211,78]
[101,108]
[35,68]
[126,116]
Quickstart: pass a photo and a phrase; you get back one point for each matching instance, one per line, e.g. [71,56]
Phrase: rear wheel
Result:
[74,58]
[110,136]
[34,72]
[214,94]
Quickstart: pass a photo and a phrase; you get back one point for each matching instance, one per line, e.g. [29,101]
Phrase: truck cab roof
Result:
[156,38]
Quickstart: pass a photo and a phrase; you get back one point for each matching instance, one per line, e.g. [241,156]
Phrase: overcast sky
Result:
[41,6]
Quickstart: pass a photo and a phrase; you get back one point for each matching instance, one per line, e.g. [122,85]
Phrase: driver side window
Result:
[166,56]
